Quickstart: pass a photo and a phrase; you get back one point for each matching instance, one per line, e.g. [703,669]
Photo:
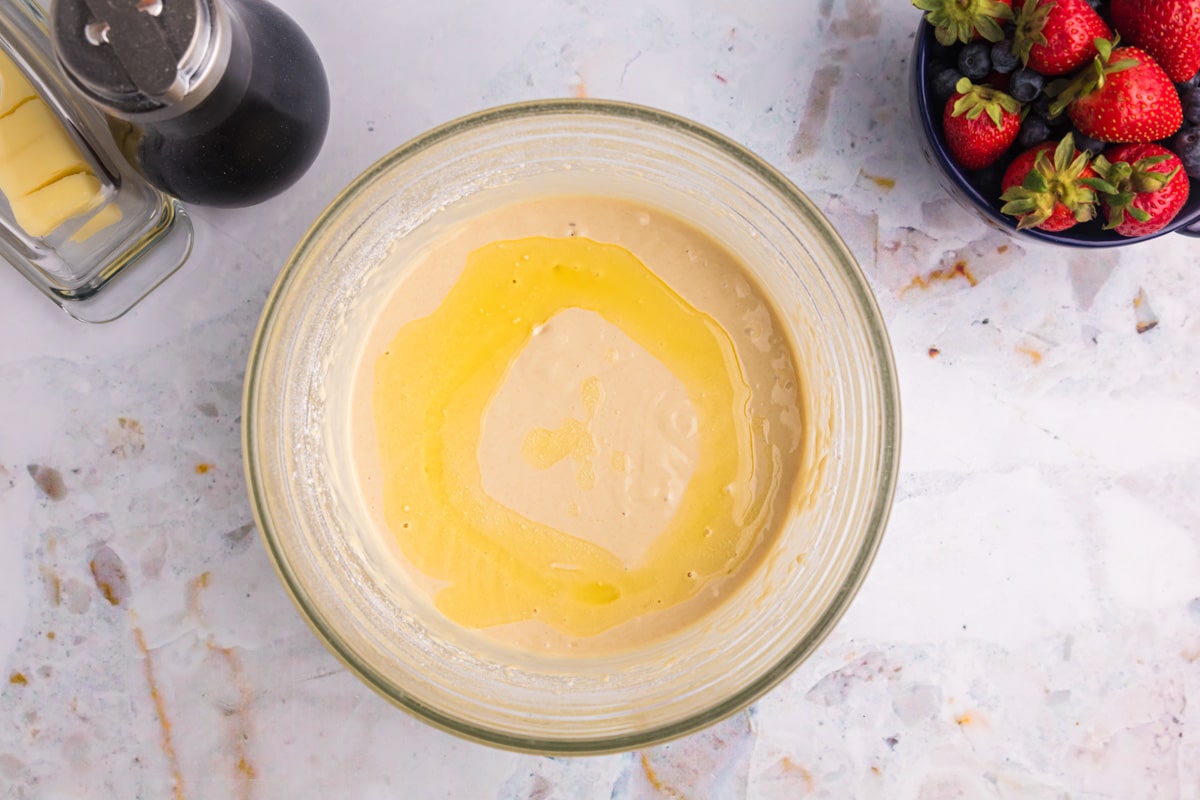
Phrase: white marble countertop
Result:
[1031,627]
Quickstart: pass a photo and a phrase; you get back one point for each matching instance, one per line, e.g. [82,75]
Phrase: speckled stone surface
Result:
[1031,627]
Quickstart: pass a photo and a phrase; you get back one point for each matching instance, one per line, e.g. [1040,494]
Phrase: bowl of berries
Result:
[1075,122]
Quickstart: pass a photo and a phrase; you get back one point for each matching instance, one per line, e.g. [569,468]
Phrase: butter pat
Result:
[41,212]
[23,127]
[43,172]
[15,88]
[51,156]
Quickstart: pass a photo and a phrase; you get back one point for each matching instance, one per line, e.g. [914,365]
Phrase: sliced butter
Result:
[23,127]
[51,156]
[15,88]
[43,211]
[43,172]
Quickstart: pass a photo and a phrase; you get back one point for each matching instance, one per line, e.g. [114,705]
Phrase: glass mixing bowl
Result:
[338,569]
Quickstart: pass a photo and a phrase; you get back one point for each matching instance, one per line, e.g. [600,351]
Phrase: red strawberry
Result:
[1046,188]
[1169,30]
[1124,97]
[1144,187]
[966,20]
[980,124]
[1054,37]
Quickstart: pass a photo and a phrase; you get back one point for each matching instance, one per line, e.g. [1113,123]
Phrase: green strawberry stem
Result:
[1089,78]
[1049,183]
[1122,182]
[977,100]
[1029,27]
[959,20]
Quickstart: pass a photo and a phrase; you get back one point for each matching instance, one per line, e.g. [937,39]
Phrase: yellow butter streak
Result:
[432,388]
[545,447]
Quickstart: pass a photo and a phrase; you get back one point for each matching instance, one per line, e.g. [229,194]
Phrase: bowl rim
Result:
[883,373]
[919,92]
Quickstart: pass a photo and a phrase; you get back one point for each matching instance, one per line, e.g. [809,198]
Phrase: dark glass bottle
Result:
[217,102]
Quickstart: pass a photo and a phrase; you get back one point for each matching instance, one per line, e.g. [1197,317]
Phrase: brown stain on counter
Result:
[53,583]
[959,270]
[18,679]
[788,766]
[160,708]
[198,583]
[105,588]
[241,735]
[128,439]
[862,20]
[659,785]
[48,480]
[240,732]
[816,111]
[1144,316]
[881,181]
[108,571]
[1035,356]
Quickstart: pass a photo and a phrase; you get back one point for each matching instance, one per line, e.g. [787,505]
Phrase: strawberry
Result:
[1054,37]
[1169,30]
[1144,187]
[1046,187]
[980,124]
[966,20]
[1123,97]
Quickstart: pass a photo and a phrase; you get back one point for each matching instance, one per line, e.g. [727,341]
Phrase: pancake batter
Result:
[579,418]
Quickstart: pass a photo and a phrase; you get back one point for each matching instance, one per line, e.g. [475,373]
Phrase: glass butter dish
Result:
[75,218]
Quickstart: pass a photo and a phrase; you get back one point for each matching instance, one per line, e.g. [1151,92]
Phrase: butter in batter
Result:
[669,466]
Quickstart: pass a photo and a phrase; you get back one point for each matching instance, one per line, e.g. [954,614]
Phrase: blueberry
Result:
[1186,145]
[1190,82]
[1003,60]
[987,180]
[974,60]
[946,51]
[1097,6]
[1190,98]
[943,82]
[1085,142]
[1040,108]
[1026,84]
[1034,131]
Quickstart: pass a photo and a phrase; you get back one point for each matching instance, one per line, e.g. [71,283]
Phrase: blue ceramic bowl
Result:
[927,114]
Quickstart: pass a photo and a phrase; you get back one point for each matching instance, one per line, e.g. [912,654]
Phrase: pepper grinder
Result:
[217,102]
